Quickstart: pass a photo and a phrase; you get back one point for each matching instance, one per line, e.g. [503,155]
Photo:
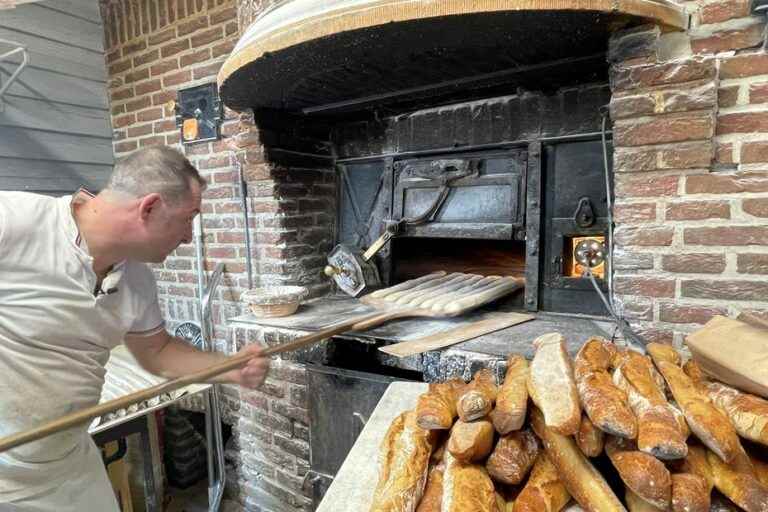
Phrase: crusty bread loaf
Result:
[471,441]
[477,398]
[589,438]
[436,409]
[760,470]
[513,457]
[704,419]
[512,400]
[742,488]
[581,479]
[552,387]
[690,493]
[748,413]
[467,488]
[637,504]
[659,432]
[643,473]
[605,404]
[432,499]
[544,492]
[696,463]
[662,352]
[403,465]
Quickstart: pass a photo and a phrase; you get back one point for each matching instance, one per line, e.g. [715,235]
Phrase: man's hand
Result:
[251,375]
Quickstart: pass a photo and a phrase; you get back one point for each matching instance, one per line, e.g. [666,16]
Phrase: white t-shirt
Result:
[56,334]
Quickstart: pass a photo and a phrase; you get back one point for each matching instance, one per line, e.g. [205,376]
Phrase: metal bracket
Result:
[24,61]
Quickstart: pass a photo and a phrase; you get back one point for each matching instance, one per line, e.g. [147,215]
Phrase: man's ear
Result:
[149,204]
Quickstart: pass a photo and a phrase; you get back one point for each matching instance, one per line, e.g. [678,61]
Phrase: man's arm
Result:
[163,355]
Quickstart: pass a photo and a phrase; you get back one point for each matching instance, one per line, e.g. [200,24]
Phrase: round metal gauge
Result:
[589,253]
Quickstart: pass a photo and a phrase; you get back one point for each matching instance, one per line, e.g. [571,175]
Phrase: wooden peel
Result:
[386,310]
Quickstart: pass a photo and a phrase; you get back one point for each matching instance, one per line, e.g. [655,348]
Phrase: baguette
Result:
[659,431]
[436,409]
[696,463]
[740,487]
[544,492]
[478,397]
[605,404]
[432,499]
[690,493]
[760,469]
[513,457]
[403,465]
[552,387]
[470,442]
[748,413]
[644,474]
[637,504]
[589,438]
[662,352]
[581,479]
[512,399]
[704,419]
[467,488]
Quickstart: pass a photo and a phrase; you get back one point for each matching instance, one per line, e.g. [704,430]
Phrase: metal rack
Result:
[19,48]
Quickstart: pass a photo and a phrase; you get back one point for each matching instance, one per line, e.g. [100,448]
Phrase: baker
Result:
[74,283]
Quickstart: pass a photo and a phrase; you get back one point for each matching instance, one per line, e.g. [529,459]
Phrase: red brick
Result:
[152,141]
[644,236]
[744,65]
[664,101]
[181,291]
[680,156]
[207,70]
[727,96]
[754,152]
[661,129]
[224,177]
[221,252]
[644,186]
[224,15]
[758,93]
[724,289]
[223,48]
[663,74]
[729,40]
[724,153]
[147,87]
[229,237]
[207,37]
[228,207]
[120,67]
[174,48]
[164,97]
[757,207]
[645,286]
[152,114]
[680,314]
[177,78]
[164,67]
[118,109]
[214,161]
[164,126]
[195,57]
[727,235]
[139,130]
[113,56]
[752,263]
[121,94]
[743,122]
[724,10]
[173,138]
[726,183]
[146,58]
[162,37]
[230,29]
[701,263]
[135,76]
[698,210]
[656,335]
[223,192]
[121,121]
[195,24]
[138,104]
[126,146]
[135,47]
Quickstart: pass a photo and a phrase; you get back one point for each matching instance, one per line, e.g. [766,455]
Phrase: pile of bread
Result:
[664,435]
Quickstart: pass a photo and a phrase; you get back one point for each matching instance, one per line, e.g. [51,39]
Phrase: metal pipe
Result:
[609,204]
[246,227]
[476,147]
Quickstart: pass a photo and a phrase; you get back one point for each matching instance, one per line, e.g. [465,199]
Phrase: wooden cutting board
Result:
[494,322]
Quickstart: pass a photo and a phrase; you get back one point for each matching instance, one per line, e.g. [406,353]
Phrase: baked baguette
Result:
[705,420]
[760,469]
[513,456]
[432,499]
[662,352]
[748,413]
[581,479]
[403,465]
[436,409]
[589,438]
[477,398]
[659,431]
[471,441]
[552,387]
[544,492]
[605,404]
[644,474]
[637,504]
[512,399]
[690,493]
[467,488]
[742,488]
[696,463]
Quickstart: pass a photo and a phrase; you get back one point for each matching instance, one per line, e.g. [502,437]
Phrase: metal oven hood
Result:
[316,56]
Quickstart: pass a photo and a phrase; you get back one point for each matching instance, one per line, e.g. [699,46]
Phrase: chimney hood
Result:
[329,56]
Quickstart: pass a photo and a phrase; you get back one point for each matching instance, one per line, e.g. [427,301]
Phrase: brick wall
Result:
[154,48]
[690,131]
